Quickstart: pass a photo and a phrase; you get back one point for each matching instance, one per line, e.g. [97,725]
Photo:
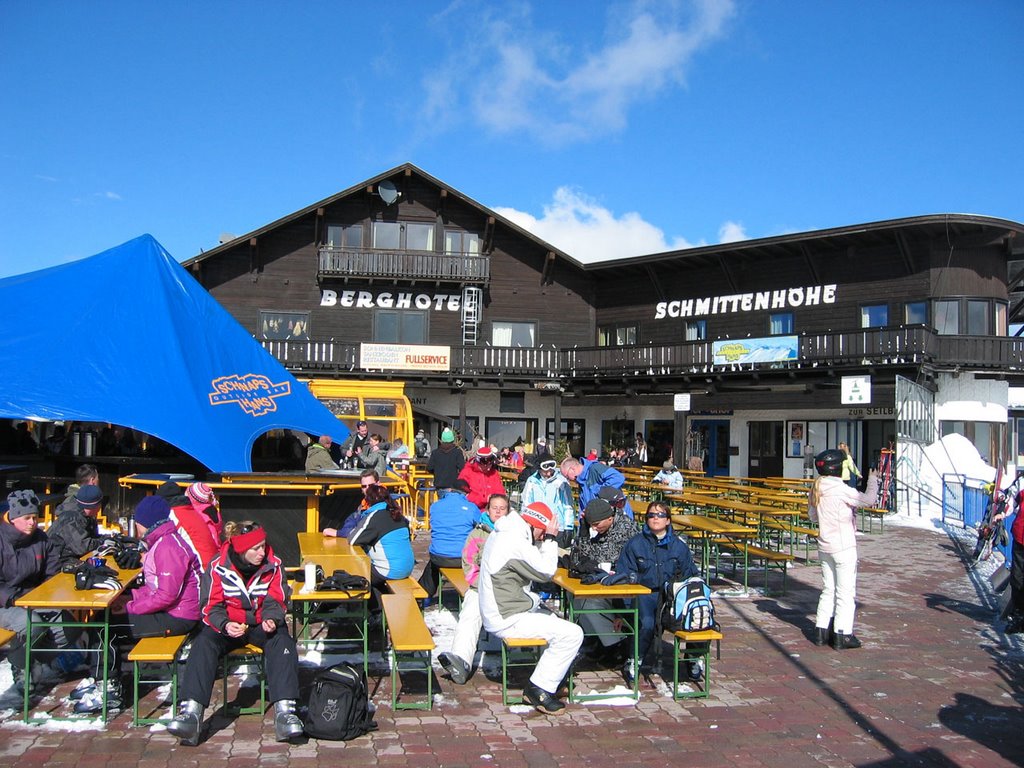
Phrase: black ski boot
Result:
[844,641]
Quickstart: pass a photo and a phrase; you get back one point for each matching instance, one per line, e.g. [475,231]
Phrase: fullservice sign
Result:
[404,357]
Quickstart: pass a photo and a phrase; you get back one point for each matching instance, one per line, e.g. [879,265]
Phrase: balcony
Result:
[461,268]
[903,347]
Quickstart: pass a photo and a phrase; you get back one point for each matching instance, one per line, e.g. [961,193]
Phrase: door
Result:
[765,441]
[713,444]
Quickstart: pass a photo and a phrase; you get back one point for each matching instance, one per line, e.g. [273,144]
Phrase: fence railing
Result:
[910,345]
[404,265]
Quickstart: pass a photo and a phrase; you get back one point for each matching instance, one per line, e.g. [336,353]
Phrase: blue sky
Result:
[610,129]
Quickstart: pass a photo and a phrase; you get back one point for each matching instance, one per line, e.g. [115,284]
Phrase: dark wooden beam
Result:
[728,275]
[904,246]
[254,256]
[548,268]
[655,282]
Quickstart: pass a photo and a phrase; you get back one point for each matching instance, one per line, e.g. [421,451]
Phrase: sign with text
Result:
[856,390]
[772,349]
[404,357]
[681,402]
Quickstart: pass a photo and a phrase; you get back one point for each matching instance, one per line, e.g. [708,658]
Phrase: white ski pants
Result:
[838,590]
[467,633]
[564,640]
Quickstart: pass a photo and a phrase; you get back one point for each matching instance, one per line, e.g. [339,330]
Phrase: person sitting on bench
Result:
[244,595]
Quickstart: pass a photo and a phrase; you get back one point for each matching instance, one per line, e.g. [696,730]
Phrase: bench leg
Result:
[229,663]
[137,679]
[680,655]
[414,661]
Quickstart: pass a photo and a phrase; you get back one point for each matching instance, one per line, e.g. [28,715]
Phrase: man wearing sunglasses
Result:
[654,557]
[367,478]
[591,476]
[482,476]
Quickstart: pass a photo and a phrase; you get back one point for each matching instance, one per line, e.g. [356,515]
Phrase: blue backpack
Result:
[688,606]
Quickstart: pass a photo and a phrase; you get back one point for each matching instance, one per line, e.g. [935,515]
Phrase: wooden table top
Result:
[357,565]
[712,525]
[578,589]
[315,544]
[59,592]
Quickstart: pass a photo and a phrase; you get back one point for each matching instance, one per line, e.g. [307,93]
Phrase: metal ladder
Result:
[471,300]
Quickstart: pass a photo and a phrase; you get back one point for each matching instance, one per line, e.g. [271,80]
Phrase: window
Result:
[512,402]
[573,431]
[391,327]
[696,330]
[874,315]
[916,313]
[977,317]
[780,323]
[461,242]
[279,326]
[616,336]
[345,237]
[387,234]
[509,334]
[419,237]
[947,317]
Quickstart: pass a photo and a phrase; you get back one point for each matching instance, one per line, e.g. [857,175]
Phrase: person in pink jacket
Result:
[833,505]
[165,603]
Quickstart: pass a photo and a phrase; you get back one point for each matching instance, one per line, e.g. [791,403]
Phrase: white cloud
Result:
[589,232]
[518,79]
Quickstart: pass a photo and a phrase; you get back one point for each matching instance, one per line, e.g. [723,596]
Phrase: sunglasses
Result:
[250,528]
[657,514]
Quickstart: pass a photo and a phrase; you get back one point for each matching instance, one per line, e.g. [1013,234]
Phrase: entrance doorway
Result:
[714,445]
[765,438]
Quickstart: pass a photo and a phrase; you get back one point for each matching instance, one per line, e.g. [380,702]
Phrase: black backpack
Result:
[339,708]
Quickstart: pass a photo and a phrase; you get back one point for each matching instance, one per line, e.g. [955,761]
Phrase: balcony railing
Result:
[464,268]
[879,347]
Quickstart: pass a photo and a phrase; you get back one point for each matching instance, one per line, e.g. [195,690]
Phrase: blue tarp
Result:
[129,337]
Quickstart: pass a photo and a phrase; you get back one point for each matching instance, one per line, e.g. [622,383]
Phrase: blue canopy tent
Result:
[129,337]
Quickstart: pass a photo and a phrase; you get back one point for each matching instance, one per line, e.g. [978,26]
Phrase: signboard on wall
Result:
[772,349]
[681,402]
[855,390]
[404,357]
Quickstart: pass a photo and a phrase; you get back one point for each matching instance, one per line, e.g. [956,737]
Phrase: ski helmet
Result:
[830,462]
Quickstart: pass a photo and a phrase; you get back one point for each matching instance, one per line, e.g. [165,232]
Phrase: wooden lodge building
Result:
[754,353]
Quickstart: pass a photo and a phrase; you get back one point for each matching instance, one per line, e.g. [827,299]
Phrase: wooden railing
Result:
[467,268]
[879,347]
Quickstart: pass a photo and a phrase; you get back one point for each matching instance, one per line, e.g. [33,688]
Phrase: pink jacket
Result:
[836,512]
[171,571]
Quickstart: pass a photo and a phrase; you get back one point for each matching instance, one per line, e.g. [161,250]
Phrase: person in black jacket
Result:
[27,559]
[654,557]
[446,462]
[76,532]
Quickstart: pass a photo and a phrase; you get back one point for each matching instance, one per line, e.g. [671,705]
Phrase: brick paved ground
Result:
[935,684]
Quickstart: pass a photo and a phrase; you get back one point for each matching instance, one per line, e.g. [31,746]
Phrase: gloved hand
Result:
[106,547]
[128,559]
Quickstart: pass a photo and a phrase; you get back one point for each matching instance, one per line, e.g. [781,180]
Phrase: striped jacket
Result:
[226,596]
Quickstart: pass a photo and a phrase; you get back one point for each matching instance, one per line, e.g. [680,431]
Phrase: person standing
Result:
[591,476]
[850,474]
[372,456]
[833,505]
[640,448]
[524,549]
[244,596]
[459,661]
[547,485]
[421,445]
[482,476]
[446,462]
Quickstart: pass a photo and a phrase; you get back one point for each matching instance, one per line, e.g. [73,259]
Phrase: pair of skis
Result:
[991,529]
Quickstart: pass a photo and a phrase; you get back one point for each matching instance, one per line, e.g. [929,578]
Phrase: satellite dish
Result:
[388,192]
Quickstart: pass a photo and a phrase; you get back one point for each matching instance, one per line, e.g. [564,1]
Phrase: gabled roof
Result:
[400,170]
[129,337]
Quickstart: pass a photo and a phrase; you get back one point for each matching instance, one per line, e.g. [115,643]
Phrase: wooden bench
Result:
[155,650]
[770,557]
[870,514]
[682,637]
[407,586]
[411,645]
[6,635]
[457,578]
[518,652]
[794,530]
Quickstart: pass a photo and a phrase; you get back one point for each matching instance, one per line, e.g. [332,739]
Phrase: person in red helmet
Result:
[524,549]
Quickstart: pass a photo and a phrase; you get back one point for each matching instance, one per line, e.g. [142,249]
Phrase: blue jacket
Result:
[452,517]
[595,476]
[655,562]
[387,543]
